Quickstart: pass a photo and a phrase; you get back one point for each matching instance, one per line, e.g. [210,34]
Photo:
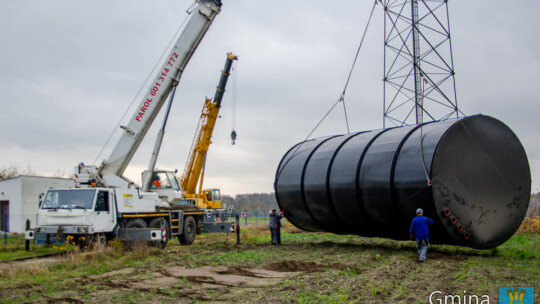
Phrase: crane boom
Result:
[194,166]
[168,76]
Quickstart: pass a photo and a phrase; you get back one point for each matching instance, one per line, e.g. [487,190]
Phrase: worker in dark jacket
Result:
[279,216]
[420,231]
[274,224]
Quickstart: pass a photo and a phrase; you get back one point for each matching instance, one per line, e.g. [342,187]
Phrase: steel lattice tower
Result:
[418,63]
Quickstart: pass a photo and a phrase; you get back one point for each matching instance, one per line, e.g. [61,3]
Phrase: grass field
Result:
[307,268]
[14,248]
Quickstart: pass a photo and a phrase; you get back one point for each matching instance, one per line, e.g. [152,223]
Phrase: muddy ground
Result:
[307,268]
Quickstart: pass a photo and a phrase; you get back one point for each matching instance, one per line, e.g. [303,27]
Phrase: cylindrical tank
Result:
[371,183]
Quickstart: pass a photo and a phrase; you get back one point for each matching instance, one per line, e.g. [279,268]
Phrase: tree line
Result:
[251,202]
[12,171]
[7,172]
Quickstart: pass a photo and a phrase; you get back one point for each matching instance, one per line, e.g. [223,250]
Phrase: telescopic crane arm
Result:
[168,76]
[194,167]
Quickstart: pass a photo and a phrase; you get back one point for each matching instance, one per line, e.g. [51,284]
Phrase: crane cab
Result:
[165,184]
[210,198]
[207,199]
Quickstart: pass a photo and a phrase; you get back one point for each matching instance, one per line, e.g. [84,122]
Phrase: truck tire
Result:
[98,240]
[190,231]
[136,223]
[156,223]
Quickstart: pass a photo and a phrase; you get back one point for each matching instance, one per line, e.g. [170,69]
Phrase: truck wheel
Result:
[156,223]
[97,241]
[190,231]
[136,223]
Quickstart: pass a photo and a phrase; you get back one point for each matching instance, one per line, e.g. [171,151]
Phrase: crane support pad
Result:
[216,227]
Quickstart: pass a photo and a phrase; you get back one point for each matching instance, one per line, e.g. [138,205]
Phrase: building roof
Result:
[36,176]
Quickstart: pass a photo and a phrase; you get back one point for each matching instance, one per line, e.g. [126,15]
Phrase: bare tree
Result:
[11,171]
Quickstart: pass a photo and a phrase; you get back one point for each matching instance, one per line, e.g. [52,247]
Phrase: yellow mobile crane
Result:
[194,171]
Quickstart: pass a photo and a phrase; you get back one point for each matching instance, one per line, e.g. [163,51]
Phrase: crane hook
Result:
[233,137]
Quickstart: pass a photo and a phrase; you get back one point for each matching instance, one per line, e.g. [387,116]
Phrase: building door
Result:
[4,216]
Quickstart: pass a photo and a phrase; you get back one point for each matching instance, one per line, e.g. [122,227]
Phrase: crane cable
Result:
[342,97]
[233,106]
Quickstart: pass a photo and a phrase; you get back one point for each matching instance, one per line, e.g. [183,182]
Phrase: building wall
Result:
[32,186]
[10,190]
[23,195]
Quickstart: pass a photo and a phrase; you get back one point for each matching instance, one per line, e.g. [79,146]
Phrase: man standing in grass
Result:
[420,231]
[274,225]
[279,216]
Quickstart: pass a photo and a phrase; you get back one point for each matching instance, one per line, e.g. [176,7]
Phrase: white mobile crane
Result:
[104,204]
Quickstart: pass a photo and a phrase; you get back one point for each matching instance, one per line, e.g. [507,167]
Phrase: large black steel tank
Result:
[371,183]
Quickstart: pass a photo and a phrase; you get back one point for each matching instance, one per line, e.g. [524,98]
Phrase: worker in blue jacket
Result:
[420,231]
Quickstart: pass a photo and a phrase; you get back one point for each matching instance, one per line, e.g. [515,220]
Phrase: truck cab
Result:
[77,211]
[95,215]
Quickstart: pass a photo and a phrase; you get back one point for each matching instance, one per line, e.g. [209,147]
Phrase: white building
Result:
[19,199]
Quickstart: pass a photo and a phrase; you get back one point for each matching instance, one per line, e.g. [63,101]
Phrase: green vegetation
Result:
[16,248]
[320,268]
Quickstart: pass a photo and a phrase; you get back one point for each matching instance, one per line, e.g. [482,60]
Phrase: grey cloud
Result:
[69,70]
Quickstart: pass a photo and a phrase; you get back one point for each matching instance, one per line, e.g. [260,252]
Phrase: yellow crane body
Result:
[194,172]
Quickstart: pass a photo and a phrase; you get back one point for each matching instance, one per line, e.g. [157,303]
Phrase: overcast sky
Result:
[70,69]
